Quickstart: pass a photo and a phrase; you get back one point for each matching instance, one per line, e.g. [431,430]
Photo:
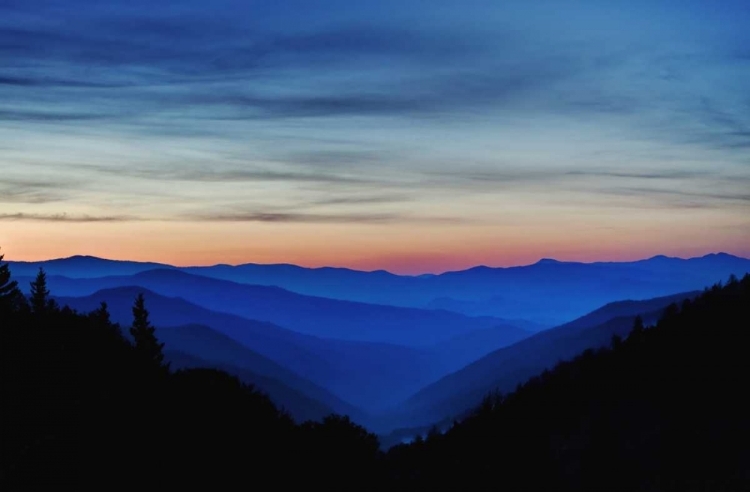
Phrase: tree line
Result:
[86,407]
[664,408]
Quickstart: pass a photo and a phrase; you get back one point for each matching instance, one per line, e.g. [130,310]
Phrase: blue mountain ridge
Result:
[546,293]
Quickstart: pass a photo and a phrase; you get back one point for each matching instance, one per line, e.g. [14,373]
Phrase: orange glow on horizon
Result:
[397,251]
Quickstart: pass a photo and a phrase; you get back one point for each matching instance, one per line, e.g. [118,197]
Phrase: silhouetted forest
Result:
[87,408]
[663,409]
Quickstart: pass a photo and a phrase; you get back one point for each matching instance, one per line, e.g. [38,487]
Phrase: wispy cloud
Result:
[709,197]
[48,116]
[64,218]
[665,174]
[37,191]
[364,199]
[301,217]
[228,175]
[49,82]
[29,196]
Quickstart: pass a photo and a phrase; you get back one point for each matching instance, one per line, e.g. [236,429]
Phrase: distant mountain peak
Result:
[661,257]
[98,259]
[548,261]
[89,258]
[719,255]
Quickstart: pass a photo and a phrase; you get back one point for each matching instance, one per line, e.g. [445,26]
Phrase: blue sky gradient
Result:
[520,123]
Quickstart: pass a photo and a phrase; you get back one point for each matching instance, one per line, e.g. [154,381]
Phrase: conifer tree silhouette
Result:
[101,315]
[638,328]
[40,301]
[146,344]
[9,291]
[102,321]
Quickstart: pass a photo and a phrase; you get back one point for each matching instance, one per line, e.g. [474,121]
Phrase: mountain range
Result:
[395,351]
[589,405]
[541,295]
[363,373]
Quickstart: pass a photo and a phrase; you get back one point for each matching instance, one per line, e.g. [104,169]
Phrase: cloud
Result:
[36,191]
[428,94]
[725,129]
[363,199]
[514,175]
[46,81]
[340,158]
[731,196]
[645,175]
[30,196]
[199,45]
[359,103]
[213,67]
[48,116]
[64,218]
[343,91]
[344,218]
[676,187]
[230,175]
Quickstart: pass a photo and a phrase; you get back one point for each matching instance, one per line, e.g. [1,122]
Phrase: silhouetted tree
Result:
[687,304]
[9,291]
[101,321]
[40,300]
[638,328]
[339,453]
[433,434]
[489,403]
[101,314]
[670,311]
[145,342]
[616,342]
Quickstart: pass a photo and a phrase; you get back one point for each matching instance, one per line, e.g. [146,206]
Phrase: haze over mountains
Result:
[365,373]
[548,292]
[505,368]
[395,351]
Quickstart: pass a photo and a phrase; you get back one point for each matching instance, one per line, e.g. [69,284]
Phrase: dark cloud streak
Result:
[29,81]
[65,218]
[51,116]
[205,175]
[344,218]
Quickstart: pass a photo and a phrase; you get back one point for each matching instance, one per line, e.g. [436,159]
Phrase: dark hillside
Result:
[663,409]
[84,408]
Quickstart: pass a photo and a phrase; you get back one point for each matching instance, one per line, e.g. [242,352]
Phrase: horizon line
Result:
[378,270]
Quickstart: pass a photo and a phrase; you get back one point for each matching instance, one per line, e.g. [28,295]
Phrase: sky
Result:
[412,136]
